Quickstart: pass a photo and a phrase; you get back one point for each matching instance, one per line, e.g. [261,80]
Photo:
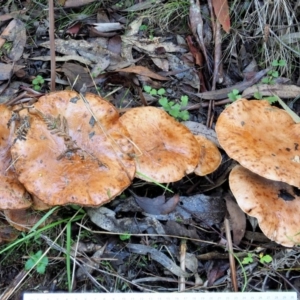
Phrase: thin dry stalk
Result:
[196,24]
[182,264]
[231,256]
[52,44]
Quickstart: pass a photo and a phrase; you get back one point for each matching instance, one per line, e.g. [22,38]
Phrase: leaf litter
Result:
[100,48]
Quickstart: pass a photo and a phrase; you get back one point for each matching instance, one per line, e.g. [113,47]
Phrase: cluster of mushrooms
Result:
[70,148]
[266,142]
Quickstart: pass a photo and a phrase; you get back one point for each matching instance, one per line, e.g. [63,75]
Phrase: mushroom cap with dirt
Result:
[165,149]
[275,204]
[12,193]
[210,156]
[262,138]
[74,151]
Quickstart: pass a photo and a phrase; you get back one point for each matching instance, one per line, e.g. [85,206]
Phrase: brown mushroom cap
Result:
[23,219]
[275,204]
[210,156]
[71,156]
[37,204]
[12,193]
[262,138]
[166,149]
[7,232]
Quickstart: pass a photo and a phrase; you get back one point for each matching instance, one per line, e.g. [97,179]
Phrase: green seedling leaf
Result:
[143,27]
[234,95]
[36,260]
[153,92]
[257,95]
[41,268]
[147,89]
[184,100]
[266,259]
[163,102]
[171,103]
[125,236]
[36,87]
[275,63]
[275,74]
[281,63]
[38,80]
[175,106]
[266,80]
[247,260]
[161,92]
[271,99]
[174,113]
[184,115]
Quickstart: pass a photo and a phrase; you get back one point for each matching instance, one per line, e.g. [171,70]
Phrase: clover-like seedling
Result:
[271,99]
[265,258]
[36,260]
[234,95]
[172,108]
[273,73]
[125,236]
[248,259]
[38,82]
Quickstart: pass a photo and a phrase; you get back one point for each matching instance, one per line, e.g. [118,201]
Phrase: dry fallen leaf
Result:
[107,27]
[15,32]
[142,71]
[6,32]
[151,46]
[159,257]
[237,220]
[77,3]
[200,129]
[7,232]
[158,205]
[222,13]
[77,75]
[178,229]
[216,269]
[285,91]
[5,71]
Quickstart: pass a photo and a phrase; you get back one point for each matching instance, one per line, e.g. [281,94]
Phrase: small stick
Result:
[231,256]
[182,265]
[52,44]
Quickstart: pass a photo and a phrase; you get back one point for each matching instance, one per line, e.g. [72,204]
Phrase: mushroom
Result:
[12,193]
[210,156]
[23,219]
[262,138]
[276,205]
[165,149]
[7,232]
[74,150]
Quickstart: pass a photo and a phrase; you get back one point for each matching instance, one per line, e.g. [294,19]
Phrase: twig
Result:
[52,45]
[231,256]
[217,56]
[182,264]
[196,24]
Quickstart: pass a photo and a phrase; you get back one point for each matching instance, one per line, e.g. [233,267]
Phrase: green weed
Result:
[37,261]
[124,236]
[171,107]
[234,95]
[274,73]
[37,82]
[263,258]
